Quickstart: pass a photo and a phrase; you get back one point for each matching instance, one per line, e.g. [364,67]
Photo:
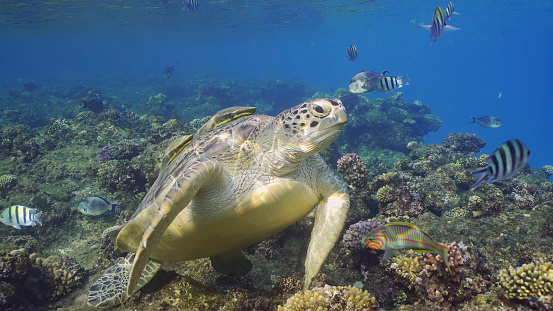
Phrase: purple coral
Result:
[355,233]
[105,154]
[353,170]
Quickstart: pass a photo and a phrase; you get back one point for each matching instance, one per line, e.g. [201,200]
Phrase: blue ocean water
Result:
[499,63]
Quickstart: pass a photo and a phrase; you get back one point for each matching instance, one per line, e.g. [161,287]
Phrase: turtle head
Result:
[308,128]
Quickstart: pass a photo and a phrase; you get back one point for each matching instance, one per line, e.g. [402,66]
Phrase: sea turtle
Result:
[232,186]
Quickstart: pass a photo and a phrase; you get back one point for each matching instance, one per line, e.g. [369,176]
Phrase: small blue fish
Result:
[191,5]
[438,25]
[19,215]
[352,52]
[96,206]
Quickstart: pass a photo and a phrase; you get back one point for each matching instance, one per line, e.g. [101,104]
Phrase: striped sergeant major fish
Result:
[190,5]
[388,84]
[352,52]
[19,215]
[394,236]
[450,10]
[503,163]
[438,25]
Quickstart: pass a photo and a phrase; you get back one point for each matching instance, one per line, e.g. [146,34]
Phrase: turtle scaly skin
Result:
[230,187]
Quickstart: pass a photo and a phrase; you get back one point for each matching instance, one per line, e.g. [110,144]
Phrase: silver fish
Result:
[19,215]
[96,206]
[503,163]
[365,82]
[487,121]
[388,84]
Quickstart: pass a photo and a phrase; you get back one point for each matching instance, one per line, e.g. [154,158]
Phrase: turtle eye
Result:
[319,111]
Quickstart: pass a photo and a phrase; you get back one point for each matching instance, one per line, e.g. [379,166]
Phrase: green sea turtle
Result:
[222,117]
[235,185]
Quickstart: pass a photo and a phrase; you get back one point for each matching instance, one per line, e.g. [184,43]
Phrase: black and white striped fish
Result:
[191,5]
[438,25]
[352,52]
[450,10]
[19,215]
[388,84]
[503,163]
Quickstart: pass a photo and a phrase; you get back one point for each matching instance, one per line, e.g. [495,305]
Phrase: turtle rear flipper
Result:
[111,289]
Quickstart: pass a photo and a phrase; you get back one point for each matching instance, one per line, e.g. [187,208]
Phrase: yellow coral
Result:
[530,280]
[406,267]
[384,194]
[330,298]
[474,201]
[548,169]
[482,160]
[387,176]
[7,181]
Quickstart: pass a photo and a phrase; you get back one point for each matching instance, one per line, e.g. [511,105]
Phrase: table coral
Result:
[331,298]
[529,280]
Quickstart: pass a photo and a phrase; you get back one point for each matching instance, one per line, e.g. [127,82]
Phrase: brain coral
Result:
[330,298]
[529,280]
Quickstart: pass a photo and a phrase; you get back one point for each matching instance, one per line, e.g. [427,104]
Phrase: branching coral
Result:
[353,170]
[407,268]
[331,298]
[529,280]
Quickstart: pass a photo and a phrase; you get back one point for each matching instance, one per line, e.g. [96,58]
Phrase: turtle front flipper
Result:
[111,289]
[329,221]
[198,175]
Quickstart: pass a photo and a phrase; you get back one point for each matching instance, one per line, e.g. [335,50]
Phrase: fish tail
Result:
[402,81]
[482,174]
[114,207]
[445,256]
[473,119]
[37,218]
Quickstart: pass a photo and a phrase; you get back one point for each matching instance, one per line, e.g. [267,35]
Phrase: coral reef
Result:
[529,280]
[331,298]
[464,142]
[26,280]
[7,182]
[105,154]
[355,233]
[353,170]
[388,123]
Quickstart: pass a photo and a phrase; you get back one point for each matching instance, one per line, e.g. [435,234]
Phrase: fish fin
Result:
[427,27]
[17,227]
[390,252]
[455,13]
[482,174]
[37,218]
[449,27]
[364,83]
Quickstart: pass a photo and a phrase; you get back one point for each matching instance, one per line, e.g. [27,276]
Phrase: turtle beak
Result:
[341,116]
